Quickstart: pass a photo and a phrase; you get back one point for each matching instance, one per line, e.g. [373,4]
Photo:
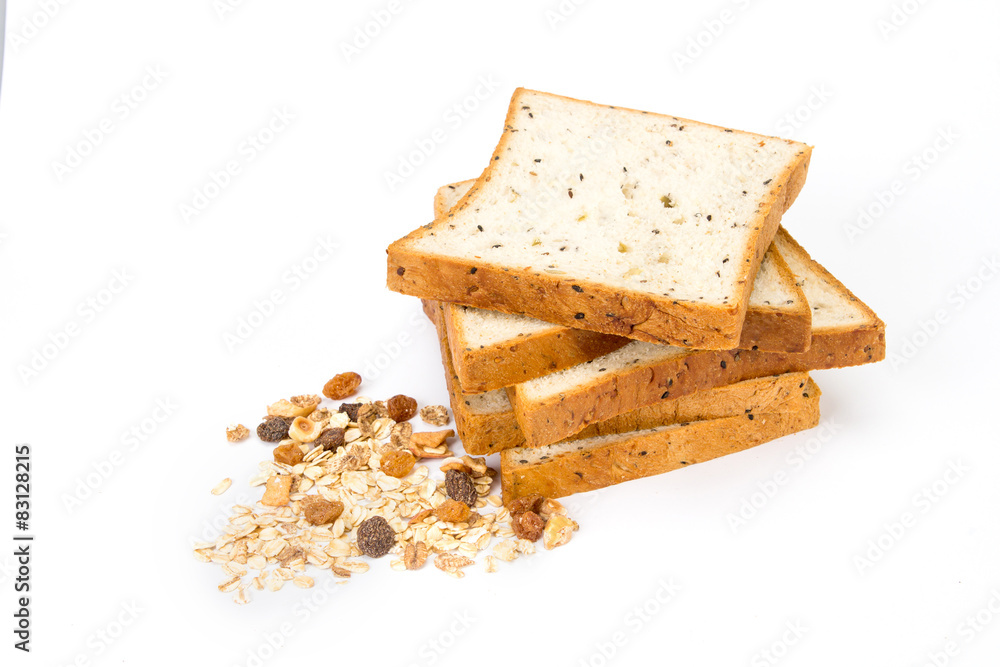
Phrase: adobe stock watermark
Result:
[122,107]
[249,149]
[632,624]
[393,349]
[212,529]
[375,24]
[797,118]
[698,43]
[921,503]
[913,170]
[33,23]
[291,280]
[451,120]
[223,8]
[107,635]
[773,654]
[129,442]
[927,328]
[85,313]
[752,504]
[966,632]
[435,647]
[899,15]
[561,12]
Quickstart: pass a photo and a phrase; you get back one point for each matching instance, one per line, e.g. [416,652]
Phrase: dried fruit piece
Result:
[277,491]
[237,432]
[527,525]
[402,408]
[319,511]
[435,415]
[452,511]
[375,537]
[454,463]
[330,439]
[415,555]
[558,531]
[342,386]
[460,487]
[273,429]
[350,409]
[477,465]
[398,463]
[303,430]
[289,454]
[419,516]
[530,503]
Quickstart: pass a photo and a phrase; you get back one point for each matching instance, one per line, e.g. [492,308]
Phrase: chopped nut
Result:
[237,433]
[398,463]
[320,415]
[527,525]
[454,463]
[430,439]
[452,563]
[435,415]
[287,409]
[375,537]
[402,408]
[303,430]
[460,487]
[476,465]
[549,508]
[277,491]
[341,386]
[420,516]
[415,555]
[319,511]
[307,402]
[222,487]
[453,511]
[558,531]
[273,429]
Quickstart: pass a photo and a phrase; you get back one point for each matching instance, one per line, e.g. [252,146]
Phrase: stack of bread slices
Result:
[615,296]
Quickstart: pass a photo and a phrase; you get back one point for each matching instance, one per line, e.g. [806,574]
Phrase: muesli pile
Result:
[350,483]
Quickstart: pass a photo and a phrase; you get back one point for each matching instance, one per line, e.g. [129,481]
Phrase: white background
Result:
[879,97]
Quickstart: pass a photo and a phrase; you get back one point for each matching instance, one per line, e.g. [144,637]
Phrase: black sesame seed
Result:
[642,453]
[577,288]
[767,181]
[723,363]
[750,417]
[479,227]
[579,316]
[400,271]
[709,218]
[473,270]
[665,394]
[571,193]
[579,474]
[538,159]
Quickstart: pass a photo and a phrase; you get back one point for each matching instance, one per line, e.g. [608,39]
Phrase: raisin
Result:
[375,537]
[398,463]
[452,511]
[342,386]
[351,409]
[527,526]
[289,454]
[460,487]
[402,408]
[319,511]
[530,503]
[330,439]
[273,429]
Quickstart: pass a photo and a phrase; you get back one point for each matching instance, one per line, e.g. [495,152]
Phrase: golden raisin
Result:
[530,503]
[319,511]
[289,454]
[398,463]
[342,386]
[402,408]
[452,511]
[527,526]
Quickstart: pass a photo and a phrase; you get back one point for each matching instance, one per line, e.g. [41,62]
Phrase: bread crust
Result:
[650,452]
[586,304]
[544,422]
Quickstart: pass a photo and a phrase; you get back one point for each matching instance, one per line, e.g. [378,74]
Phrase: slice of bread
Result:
[613,220]
[594,463]
[486,423]
[492,350]
[845,332]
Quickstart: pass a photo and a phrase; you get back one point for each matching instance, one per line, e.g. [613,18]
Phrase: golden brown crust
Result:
[780,330]
[546,422]
[650,453]
[584,304]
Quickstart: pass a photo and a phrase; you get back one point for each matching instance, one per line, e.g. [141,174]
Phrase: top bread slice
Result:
[614,220]
[492,350]
[846,332]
